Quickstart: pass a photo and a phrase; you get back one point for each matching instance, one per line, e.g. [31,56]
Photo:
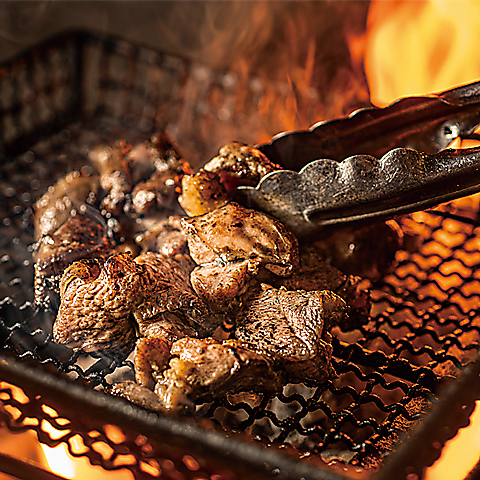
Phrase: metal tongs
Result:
[375,163]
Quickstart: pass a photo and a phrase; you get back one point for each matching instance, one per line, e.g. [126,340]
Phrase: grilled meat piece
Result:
[138,394]
[165,236]
[316,274]
[95,312]
[204,369]
[240,164]
[210,188]
[115,176]
[153,167]
[202,193]
[291,327]
[281,337]
[102,308]
[80,237]
[232,245]
[157,194]
[172,309]
[68,194]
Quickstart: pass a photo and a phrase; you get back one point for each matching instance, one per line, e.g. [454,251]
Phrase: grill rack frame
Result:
[75,104]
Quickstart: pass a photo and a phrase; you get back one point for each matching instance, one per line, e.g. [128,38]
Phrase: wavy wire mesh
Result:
[424,325]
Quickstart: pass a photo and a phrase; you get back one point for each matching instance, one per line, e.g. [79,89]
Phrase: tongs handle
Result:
[426,123]
[361,187]
[363,166]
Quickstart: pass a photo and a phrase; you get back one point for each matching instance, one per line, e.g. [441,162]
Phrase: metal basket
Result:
[62,98]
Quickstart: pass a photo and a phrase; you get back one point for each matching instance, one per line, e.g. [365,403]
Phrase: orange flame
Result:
[415,48]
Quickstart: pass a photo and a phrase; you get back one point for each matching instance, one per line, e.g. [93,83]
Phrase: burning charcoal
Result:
[56,205]
[102,308]
[231,245]
[81,236]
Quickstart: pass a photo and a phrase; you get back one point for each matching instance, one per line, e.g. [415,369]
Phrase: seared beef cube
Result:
[232,245]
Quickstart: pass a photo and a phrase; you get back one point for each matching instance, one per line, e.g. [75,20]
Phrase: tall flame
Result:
[419,47]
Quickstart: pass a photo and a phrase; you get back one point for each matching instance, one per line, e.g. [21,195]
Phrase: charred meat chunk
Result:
[68,194]
[211,187]
[315,273]
[95,312]
[204,369]
[231,245]
[164,236]
[82,236]
[202,193]
[155,167]
[291,327]
[240,164]
[138,394]
[101,309]
[282,336]
[158,193]
[171,309]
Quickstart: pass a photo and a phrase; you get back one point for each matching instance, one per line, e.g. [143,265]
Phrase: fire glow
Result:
[422,62]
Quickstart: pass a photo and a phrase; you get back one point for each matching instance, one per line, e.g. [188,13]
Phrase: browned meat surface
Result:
[237,164]
[240,164]
[164,236]
[80,236]
[115,176]
[224,263]
[96,305]
[281,337]
[101,308]
[202,193]
[56,205]
[139,395]
[202,370]
[231,245]
[153,168]
[172,309]
[291,327]
[158,193]
[316,274]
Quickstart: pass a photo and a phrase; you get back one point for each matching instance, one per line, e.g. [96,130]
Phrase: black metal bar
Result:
[25,470]
[451,413]
[246,460]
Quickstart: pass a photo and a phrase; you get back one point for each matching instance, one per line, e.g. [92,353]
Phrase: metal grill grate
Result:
[424,328]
